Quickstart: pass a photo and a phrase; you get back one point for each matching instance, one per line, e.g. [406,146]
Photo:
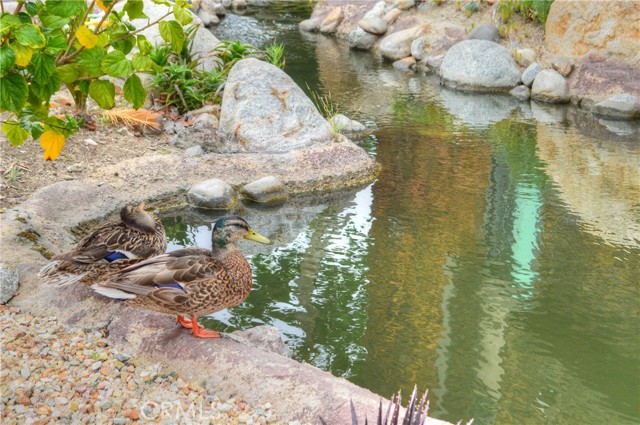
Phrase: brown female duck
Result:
[137,236]
[190,282]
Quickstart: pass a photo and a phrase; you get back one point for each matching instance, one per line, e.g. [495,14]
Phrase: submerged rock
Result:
[264,111]
[360,39]
[623,106]
[212,194]
[479,65]
[347,126]
[266,190]
[521,92]
[549,86]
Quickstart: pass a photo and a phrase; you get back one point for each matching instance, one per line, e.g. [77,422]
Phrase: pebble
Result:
[82,380]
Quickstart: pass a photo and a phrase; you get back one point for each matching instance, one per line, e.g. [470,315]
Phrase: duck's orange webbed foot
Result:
[200,332]
[184,323]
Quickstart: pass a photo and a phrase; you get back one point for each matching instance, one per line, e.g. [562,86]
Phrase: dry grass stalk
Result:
[133,117]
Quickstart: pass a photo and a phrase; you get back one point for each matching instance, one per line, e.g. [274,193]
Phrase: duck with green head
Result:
[190,282]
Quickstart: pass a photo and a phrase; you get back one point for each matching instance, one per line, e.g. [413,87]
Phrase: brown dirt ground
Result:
[23,169]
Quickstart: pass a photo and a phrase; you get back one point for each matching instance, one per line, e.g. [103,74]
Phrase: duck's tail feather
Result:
[51,274]
[112,292]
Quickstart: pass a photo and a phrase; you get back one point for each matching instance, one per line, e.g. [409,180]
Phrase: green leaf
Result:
[141,62]
[116,64]
[134,91]
[31,122]
[103,39]
[43,90]
[103,92]
[56,44]
[134,9]
[143,44]
[90,60]
[67,73]
[127,43]
[8,21]
[182,15]
[30,35]
[7,60]
[16,134]
[32,8]
[54,22]
[42,66]
[66,8]
[172,32]
[24,18]
[22,54]
[13,92]
[164,2]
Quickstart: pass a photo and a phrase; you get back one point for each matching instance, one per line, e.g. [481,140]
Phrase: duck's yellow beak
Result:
[141,207]
[252,235]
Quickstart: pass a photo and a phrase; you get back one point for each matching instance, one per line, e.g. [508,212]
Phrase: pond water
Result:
[495,261]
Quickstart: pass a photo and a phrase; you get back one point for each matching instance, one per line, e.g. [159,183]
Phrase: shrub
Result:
[57,42]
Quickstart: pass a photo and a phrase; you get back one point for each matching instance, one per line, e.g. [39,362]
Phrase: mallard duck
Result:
[190,282]
[137,236]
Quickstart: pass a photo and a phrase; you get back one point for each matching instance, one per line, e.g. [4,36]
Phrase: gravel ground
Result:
[52,376]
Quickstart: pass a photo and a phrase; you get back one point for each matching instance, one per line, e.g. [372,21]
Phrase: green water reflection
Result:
[495,261]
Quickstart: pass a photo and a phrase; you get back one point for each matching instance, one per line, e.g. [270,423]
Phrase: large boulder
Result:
[549,86]
[479,65]
[577,28]
[398,45]
[264,111]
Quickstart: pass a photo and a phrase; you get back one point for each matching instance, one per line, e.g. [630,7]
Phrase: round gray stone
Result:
[360,39]
[266,190]
[479,65]
[551,87]
[8,282]
[521,92]
[214,194]
[530,73]
[485,32]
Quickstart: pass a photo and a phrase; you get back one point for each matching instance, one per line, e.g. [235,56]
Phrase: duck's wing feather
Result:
[180,267]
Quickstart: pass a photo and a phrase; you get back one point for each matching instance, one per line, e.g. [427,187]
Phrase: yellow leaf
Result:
[52,143]
[86,37]
[101,5]
[23,54]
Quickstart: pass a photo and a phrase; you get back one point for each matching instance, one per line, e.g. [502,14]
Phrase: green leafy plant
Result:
[471,8]
[46,44]
[231,52]
[536,10]
[274,54]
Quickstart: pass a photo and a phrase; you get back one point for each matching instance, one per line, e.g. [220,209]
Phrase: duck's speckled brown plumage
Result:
[202,281]
[139,235]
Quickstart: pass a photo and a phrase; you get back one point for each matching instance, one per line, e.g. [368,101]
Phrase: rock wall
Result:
[610,29]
